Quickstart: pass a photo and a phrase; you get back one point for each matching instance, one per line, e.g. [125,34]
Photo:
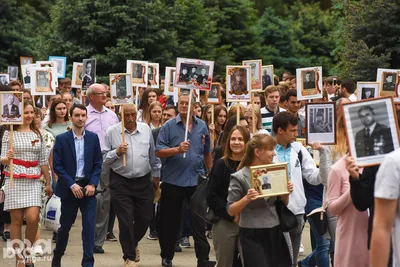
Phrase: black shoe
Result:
[299,264]
[56,262]
[206,263]
[6,236]
[54,238]
[166,262]
[98,250]
[111,237]
[177,247]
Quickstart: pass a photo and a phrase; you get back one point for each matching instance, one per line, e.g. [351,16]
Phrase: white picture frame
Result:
[309,83]
[121,88]
[367,90]
[77,71]
[153,75]
[42,81]
[238,84]
[193,73]
[138,70]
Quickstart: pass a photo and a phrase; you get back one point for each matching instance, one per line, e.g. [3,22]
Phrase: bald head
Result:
[129,108]
[97,95]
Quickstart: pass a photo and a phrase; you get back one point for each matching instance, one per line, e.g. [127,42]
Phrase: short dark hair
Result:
[349,85]
[366,108]
[74,106]
[168,107]
[282,120]
[291,92]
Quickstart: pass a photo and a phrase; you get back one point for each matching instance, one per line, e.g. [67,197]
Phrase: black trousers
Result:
[170,218]
[265,247]
[133,202]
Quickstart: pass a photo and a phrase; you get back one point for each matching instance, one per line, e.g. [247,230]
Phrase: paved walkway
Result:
[149,252]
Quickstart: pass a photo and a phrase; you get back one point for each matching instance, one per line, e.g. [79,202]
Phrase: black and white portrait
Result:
[265,182]
[367,90]
[367,93]
[270,180]
[214,95]
[153,75]
[150,74]
[238,83]
[138,69]
[371,129]
[389,81]
[121,88]
[61,65]
[89,73]
[25,60]
[169,81]
[309,83]
[267,76]
[77,75]
[11,108]
[320,123]
[308,80]
[42,79]
[194,73]
[13,72]
[4,78]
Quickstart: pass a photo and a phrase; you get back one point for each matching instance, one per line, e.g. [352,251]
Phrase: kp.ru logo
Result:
[9,252]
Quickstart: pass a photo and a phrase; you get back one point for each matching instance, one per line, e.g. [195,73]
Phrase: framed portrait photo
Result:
[320,123]
[267,76]
[121,88]
[255,74]
[153,75]
[138,70]
[25,60]
[77,75]
[238,85]
[42,81]
[26,71]
[214,95]
[4,78]
[61,65]
[11,107]
[371,127]
[193,73]
[88,73]
[169,88]
[309,83]
[388,80]
[270,180]
[13,72]
[367,90]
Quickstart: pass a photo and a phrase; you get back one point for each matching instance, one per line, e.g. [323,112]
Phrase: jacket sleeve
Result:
[310,172]
[362,190]
[58,162]
[97,162]
[336,202]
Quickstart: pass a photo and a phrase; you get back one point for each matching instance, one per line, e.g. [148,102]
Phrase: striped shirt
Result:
[267,116]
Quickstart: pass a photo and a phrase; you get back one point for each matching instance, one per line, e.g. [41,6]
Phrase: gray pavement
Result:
[149,252]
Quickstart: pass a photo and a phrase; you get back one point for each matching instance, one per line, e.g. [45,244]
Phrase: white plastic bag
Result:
[53,213]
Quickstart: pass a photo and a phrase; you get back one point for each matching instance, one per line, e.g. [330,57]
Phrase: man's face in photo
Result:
[88,68]
[367,117]
[184,71]
[367,93]
[203,72]
[389,79]
[10,99]
[319,118]
[308,77]
[193,70]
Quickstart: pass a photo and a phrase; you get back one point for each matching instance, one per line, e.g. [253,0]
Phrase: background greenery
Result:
[347,38]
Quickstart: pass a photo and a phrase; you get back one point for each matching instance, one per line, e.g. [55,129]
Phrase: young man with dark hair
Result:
[347,89]
[293,107]
[272,96]
[300,166]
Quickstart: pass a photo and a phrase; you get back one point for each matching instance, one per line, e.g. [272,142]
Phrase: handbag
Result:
[320,220]
[198,201]
[287,219]
[53,214]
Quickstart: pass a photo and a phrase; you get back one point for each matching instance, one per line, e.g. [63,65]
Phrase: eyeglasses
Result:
[102,93]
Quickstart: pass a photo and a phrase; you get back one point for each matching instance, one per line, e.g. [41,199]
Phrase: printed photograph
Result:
[267,76]
[61,65]
[4,78]
[256,72]
[153,75]
[42,81]
[121,88]
[26,74]
[388,82]
[309,83]
[138,69]
[371,129]
[77,75]
[214,95]
[88,72]
[194,73]
[169,80]
[238,85]
[320,121]
[25,60]
[11,103]
[270,180]
[13,72]
[367,90]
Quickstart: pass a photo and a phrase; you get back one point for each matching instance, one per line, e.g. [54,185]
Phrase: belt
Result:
[79,178]
[25,163]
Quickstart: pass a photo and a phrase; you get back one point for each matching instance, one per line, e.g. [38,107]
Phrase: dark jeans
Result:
[170,218]
[133,202]
[111,220]
[153,222]
[265,247]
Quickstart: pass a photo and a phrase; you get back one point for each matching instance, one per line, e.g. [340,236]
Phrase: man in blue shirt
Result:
[180,178]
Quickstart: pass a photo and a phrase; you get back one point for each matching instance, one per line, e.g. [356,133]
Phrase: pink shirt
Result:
[99,122]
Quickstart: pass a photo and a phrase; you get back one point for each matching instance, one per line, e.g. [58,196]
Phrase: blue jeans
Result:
[320,256]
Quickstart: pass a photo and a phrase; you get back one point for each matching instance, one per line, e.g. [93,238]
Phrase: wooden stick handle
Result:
[11,161]
[123,133]
[189,113]
[212,113]
[253,115]
[238,113]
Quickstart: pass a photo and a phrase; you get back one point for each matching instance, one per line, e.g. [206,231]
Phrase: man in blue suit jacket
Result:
[77,162]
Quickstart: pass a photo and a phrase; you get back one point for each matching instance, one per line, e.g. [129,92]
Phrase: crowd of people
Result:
[113,162]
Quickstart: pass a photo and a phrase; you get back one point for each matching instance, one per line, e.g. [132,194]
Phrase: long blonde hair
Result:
[340,149]
[260,141]
[151,107]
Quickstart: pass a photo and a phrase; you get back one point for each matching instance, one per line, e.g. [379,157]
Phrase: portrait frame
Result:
[311,89]
[42,81]
[77,75]
[24,68]
[61,61]
[381,77]
[25,60]
[276,184]
[120,88]
[194,80]
[384,137]
[10,72]
[132,67]
[324,132]
[363,86]
[169,87]
[256,68]
[155,83]
[7,119]
[7,78]
[245,93]
[270,72]
[214,100]
[88,78]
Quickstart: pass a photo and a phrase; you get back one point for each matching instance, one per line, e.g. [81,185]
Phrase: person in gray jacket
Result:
[262,240]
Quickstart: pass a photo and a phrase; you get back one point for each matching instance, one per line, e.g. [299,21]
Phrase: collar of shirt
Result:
[284,154]
[371,128]
[91,109]
[76,137]
[179,119]
[139,128]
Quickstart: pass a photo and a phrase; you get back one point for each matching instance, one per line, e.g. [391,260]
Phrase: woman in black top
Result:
[225,232]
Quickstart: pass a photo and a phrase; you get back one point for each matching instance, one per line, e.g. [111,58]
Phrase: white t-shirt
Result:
[387,186]
[353,98]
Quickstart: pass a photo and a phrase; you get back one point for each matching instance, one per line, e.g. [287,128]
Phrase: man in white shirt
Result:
[272,97]
[347,89]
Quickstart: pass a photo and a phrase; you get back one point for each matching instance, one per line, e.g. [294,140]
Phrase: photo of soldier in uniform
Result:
[269,180]
[4,78]
[11,108]
[255,73]
[267,76]
[320,123]
[368,92]
[193,73]
[77,75]
[214,95]
[121,88]
[184,75]
[89,73]
[203,77]
[238,82]
[389,82]
[308,80]
[137,70]
[13,71]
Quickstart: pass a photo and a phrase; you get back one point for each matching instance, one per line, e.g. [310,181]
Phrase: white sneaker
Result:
[301,250]
[38,251]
